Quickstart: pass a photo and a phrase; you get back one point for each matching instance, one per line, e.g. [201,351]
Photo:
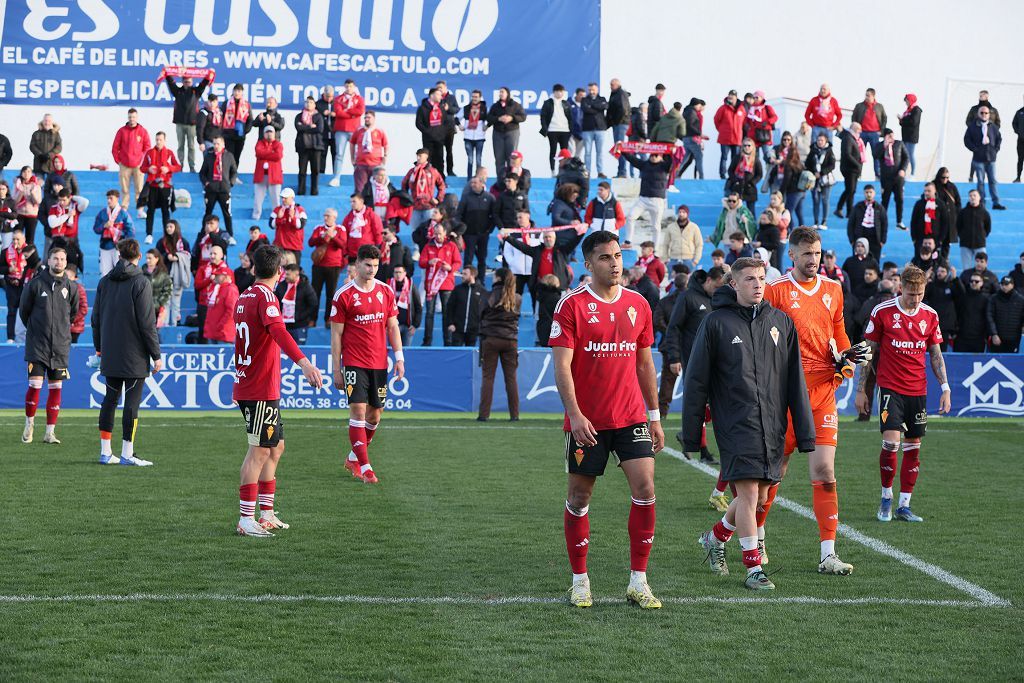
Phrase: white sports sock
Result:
[352,457]
[760,533]
[716,492]
[366,468]
[105,447]
[887,492]
[828,548]
[636,578]
[30,420]
[728,526]
[50,429]
[750,543]
[904,500]
[127,449]
[581,578]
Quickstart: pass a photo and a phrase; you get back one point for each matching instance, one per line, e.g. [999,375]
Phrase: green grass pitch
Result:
[473,513]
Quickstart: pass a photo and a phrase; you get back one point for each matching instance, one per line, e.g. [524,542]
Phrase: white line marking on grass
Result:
[879,546]
[473,601]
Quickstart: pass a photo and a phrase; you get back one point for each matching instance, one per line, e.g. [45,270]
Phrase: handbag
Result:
[829,179]
[806,181]
[762,136]
[318,254]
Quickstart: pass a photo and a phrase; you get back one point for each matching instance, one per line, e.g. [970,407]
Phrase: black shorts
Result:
[263,425]
[908,414]
[625,443]
[52,374]
[366,386]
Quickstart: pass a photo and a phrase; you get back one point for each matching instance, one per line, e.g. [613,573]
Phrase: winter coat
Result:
[109,240]
[398,255]
[752,387]
[693,120]
[900,161]
[547,112]
[186,101]
[744,220]
[559,258]
[1017,275]
[220,315]
[507,205]
[435,187]
[910,126]
[525,179]
[160,158]
[654,177]
[972,113]
[574,171]
[433,133]
[974,224]
[509,107]
[130,144]
[679,244]
[305,302]
[637,125]
[821,162]
[972,319]
[648,290]
[853,224]
[78,323]
[940,225]
[618,112]
[463,309]
[309,137]
[44,145]
[347,119]
[691,307]
[943,297]
[1005,315]
[162,288]
[605,215]
[594,109]
[48,306]
[334,255]
[655,110]
[124,323]
[729,122]
[983,152]
[760,117]
[269,117]
[855,266]
[991,282]
[562,213]
[547,301]
[229,172]
[745,185]
[495,321]
[669,128]
[476,211]
[849,154]
[6,152]
[269,153]
[1017,124]
[448,253]
[814,117]
[411,315]
[861,108]
[950,198]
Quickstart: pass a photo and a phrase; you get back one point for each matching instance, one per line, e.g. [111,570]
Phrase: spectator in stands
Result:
[760,124]
[572,170]
[670,126]
[219,325]
[769,231]
[60,176]
[477,211]
[929,219]
[451,107]
[595,107]
[972,315]
[426,186]
[927,255]
[309,143]
[432,122]
[563,211]
[803,139]
[160,165]
[745,172]
[325,107]
[63,221]
[499,340]
[947,195]
[983,139]
[866,286]
[576,123]
[218,175]
[348,109]
[462,315]
[551,257]
[662,314]
[942,292]
[6,152]
[160,280]
[735,217]
[770,272]
[515,166]
[394,253]
[868,220]
[379,192]
[989,281]
[1005,314]
[78,321]
[208,236]
[693,143]
[974,224]
[187,98]
[299,308]
[729,120]
[440,259]
[45,144]
[269,175]
[604,212]
[1018,128]
[824,113]
[555,124]
[177,257]
[208,123]
[910,128]
[288,221]
[641,283]
[1017,274]
[361,226]
[870,114]
[892,163]
[687,314]
[130,145]
[504,118]
[245,277]
[776,162]
[17,264]
[652,265]
[655,178]
[28,195]
[256,239]
[638,130]
[851,163]
[738,248]
[235,123]
[407,298]
[125,337]
[510,202]
[270,117]
[549,293]
[681,239]
[983,101]
[329,241]
[8,215]
[113,224]
[793,184]
[369,150]
[718,260]
[854,266]
[618,116]
[655,106]
[206,285]
[821,161]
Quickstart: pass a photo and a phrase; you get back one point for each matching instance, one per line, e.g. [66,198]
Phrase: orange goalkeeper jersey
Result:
[817,312]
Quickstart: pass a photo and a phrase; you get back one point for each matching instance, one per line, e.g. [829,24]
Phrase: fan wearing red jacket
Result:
[221,298]
[160,164]
[362,226]
[823,113]
[130,144]
[78,324]
[440,260]
[426,187]
[63,221]
[206,279]
[289,224]
[348,110]
[327,268]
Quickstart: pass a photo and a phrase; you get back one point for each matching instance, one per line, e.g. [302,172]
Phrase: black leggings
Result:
[325,277]
[132,388]
[556,142]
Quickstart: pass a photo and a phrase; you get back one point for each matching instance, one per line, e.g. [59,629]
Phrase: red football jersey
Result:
[364,341]
[257,355]
[903,341]
[605,337]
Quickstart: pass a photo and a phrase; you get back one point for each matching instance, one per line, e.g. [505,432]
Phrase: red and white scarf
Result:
[367,139]
[401,294]
[16,263]
[422,182]
[474,116]
[187,72]
[236,110]
[860,148]
[436,117]
[929,216]
[347,101]
[889,161]
[745,166]
[114,233]
[437,275]
[355,228]
[645,261]
[288,302]
[381,195]
[307,117]
[218,166]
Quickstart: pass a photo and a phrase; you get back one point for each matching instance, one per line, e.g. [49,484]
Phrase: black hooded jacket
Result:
[745,364]
[689,312]
[48,305]
[124,322]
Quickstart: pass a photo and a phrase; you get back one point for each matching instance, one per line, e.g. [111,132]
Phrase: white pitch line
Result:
[879,546]
[470,601]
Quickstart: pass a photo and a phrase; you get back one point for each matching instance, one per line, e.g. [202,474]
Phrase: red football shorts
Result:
[822,395]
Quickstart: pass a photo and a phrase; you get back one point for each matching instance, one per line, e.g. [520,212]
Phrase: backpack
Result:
[806,181]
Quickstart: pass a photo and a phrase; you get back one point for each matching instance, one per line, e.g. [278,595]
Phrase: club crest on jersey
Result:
[884,416]
[592,306]
[270,433]
[793,294]
[896,321]
[357,300]
[272,312]
[827,300]
[631,312]
[923,324]
[579,455]
[380,297]
[774,332]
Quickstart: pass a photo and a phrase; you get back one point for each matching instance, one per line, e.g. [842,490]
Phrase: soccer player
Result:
[745,364]
[601,340]
[48,305]
[260,337]
[815,304]
[902,330]
[364,317]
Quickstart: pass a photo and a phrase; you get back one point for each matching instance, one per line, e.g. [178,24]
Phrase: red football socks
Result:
[371,431]
[52,404]
[577,538]
[761,514]
[357,437]
[722,532]
[641,533]
[911,466]
[266,494]
[826,508]
[31,401]
[247,499]
[887,464]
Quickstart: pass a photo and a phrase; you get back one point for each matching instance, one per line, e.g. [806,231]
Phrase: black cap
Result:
[830,252]
[733,92]
[1007,280]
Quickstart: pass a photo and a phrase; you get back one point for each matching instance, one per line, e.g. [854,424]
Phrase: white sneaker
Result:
[673,188]
[247,526]
[269,520]
[109,460]
[231,241]
[579,594]
[26,436]
[149,239]
[133,461]
[141,213]
[335,182]
[833,565]
[256,216]
[50,437]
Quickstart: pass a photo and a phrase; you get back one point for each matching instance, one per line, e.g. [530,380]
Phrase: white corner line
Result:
[938,573]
